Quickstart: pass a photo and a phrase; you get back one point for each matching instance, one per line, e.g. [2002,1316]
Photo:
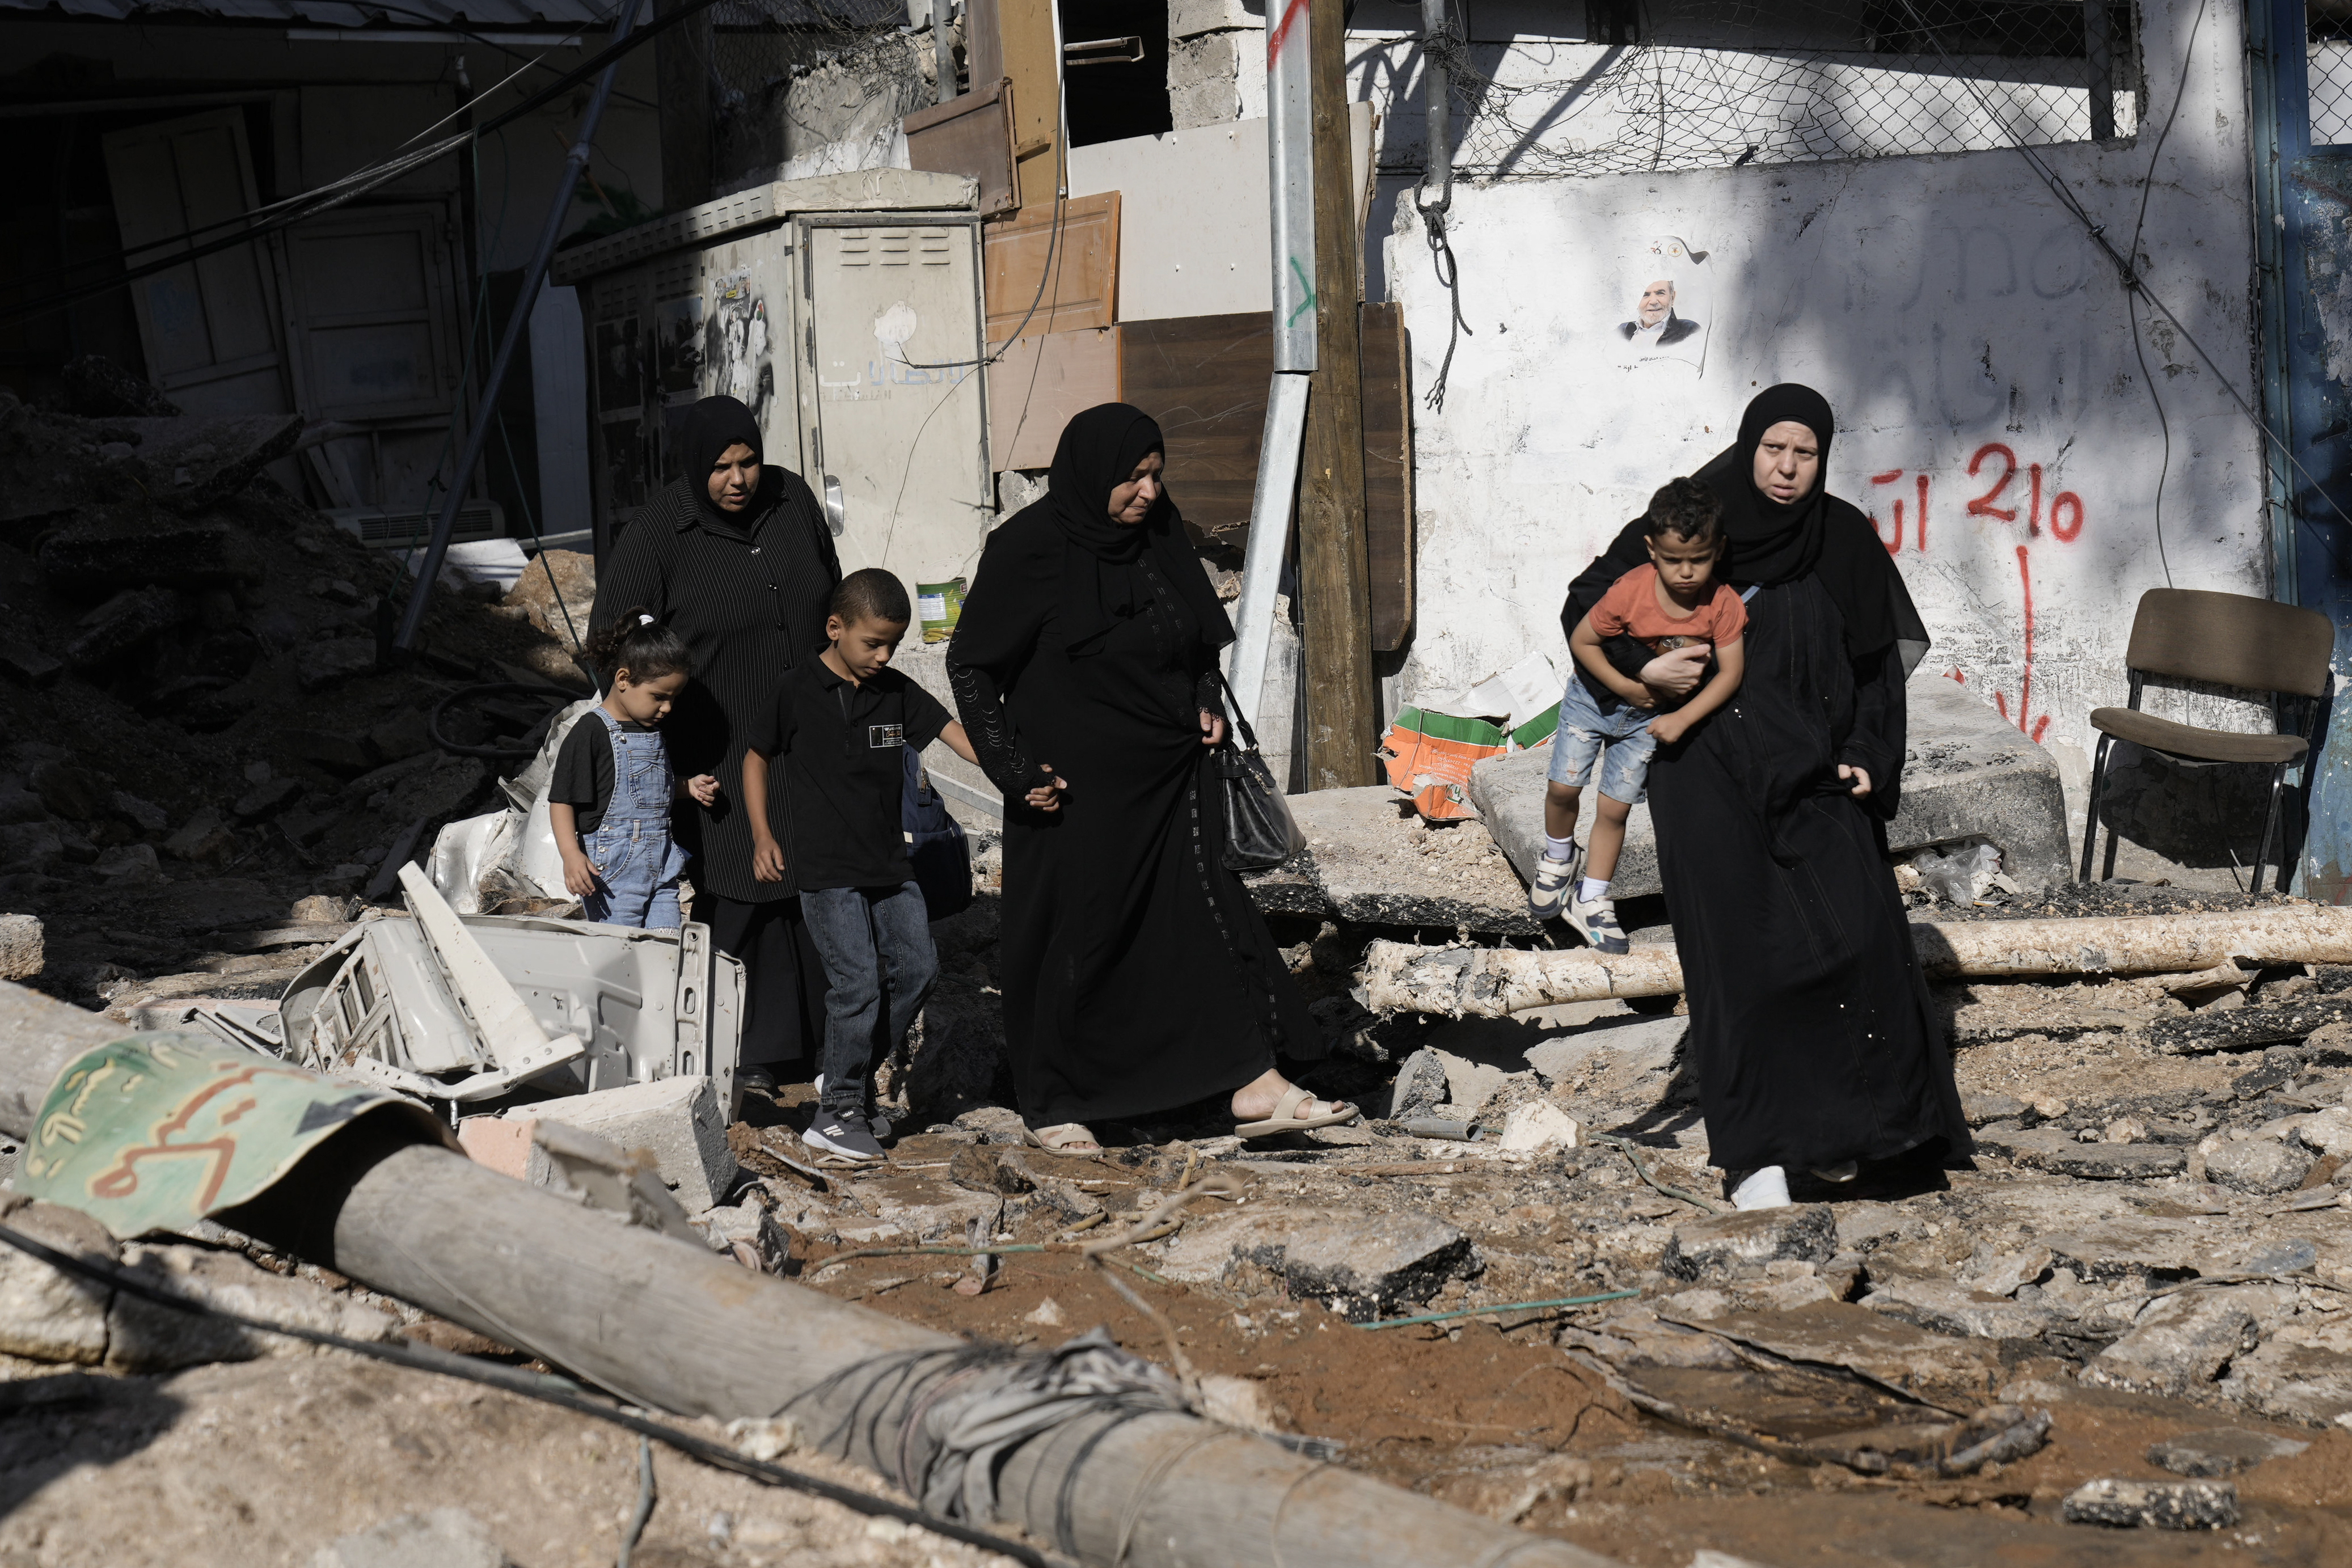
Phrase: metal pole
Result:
[2099,67]
[1290,195]
[1270,539]
[1437,93]
[1290,166]
[486,413]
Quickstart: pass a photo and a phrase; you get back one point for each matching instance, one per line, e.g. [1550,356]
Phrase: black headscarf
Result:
[712,426]
[1100,583]
[1774,542]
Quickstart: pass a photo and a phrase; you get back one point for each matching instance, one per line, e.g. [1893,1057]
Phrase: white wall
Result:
[1949,309]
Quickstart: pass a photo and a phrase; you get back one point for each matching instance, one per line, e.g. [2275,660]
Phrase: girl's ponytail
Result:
[640,645]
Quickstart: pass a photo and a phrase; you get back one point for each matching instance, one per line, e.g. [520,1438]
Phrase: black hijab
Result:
[1773,542]
[1100,583]
[712,426]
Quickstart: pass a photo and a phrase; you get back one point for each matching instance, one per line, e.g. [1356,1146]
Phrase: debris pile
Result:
[204,731]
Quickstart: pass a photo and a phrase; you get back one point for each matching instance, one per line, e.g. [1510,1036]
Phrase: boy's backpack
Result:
[935,844]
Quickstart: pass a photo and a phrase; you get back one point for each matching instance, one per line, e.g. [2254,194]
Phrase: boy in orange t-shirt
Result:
[1674,601]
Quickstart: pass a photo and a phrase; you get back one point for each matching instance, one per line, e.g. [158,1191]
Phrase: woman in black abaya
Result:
[1810,1033]
[735,558]
[1137,976]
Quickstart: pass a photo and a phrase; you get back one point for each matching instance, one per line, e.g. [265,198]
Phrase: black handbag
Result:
[1260,832]
[935,844]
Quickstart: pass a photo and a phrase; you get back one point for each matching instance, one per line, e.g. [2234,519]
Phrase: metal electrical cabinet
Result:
[845,311]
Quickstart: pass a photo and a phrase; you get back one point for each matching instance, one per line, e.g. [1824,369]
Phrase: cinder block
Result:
[502,1142]
[678,1119]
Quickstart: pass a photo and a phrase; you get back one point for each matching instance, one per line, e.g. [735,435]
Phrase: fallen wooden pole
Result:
[677,1328]
[1492,982]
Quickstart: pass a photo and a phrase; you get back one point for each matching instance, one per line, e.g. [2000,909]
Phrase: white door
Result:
[900,412]
[210,327]
[373,326]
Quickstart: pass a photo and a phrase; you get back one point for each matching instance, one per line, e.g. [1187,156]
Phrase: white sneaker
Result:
[1596,923]
[1552,879]
[1767,1188]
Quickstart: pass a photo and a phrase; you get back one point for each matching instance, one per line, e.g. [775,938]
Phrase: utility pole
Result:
[1342,706]
[682,77]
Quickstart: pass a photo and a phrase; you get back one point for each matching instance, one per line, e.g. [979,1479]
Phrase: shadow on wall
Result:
[2196,817]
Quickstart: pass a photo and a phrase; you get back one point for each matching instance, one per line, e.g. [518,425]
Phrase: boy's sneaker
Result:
[1596,923]
[1553,879]
[875,1123]
[848,1136]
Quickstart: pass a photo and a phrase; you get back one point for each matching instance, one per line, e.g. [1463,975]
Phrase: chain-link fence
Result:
[790,78]
[1697,84]
[2328,62]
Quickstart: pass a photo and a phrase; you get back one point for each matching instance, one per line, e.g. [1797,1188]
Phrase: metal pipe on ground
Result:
[679,1328]
[1494,982]
[437,548]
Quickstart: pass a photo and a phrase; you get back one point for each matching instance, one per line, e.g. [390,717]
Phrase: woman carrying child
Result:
[734,558]
[1810,1036]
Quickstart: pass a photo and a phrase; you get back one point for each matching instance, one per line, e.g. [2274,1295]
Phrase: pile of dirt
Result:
[192,681]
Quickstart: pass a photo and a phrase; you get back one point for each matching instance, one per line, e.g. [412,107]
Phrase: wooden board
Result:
[1204,379]
[1083,291]
[1388,472]
[1033,59]
[1041,382]
[971,136]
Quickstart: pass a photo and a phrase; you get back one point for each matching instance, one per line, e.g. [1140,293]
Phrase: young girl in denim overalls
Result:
[625,869]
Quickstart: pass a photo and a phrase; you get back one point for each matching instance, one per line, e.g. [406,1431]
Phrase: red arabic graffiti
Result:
[1995,466]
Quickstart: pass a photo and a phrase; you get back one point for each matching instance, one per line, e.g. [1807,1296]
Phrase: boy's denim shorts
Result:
[1622,741]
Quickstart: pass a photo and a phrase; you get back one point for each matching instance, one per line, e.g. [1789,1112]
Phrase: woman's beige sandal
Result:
[1068,1138]
[1285,1118]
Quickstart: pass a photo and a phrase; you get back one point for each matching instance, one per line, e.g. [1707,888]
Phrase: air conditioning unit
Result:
[388,528]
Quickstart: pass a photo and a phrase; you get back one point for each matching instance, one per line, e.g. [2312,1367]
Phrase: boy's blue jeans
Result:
[879,964]
[1621,742]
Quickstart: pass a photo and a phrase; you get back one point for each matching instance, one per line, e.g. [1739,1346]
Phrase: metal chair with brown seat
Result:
[2223,638]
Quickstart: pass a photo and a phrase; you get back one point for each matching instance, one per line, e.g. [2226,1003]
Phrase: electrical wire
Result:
[2131,299]
[559,1391]
[297,209]
[2129,275]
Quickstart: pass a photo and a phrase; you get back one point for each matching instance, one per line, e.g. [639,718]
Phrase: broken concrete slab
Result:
[2220,1451]
[2063,1154]
[2129,1249]
[678,1119]
[199,462]
[2178,1343]
[21,953]
[2154,1505]
[444,1538]
[145,1337]
[2301,1372]
[113,551]
[922,1209]
[1377,863]
[1944,1308]
[1724,1245]
[2257,1165]
[322,664]
[1892,1354]
[45,1314]
[1363,1265]
[125,623]
[1968,775]
[2246,1028]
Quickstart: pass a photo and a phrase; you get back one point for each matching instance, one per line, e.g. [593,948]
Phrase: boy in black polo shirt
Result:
[841,723]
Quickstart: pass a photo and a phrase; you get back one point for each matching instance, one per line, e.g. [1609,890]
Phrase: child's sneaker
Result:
[875,1123]
[1552,884]
[1596,923]
[844,1136]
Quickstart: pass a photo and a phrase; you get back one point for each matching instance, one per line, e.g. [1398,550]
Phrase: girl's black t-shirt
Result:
[583,770]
